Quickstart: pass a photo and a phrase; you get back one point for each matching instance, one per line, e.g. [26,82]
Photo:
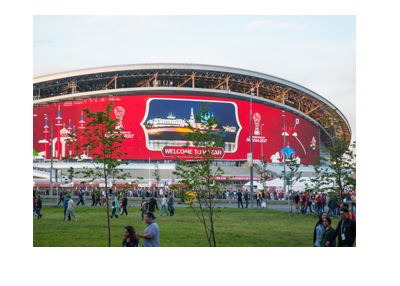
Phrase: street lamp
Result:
[262,159]
[51,154]
[251,148]
[284,153]
[262,154]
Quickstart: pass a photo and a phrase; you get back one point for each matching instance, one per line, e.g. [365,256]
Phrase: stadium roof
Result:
[114,80]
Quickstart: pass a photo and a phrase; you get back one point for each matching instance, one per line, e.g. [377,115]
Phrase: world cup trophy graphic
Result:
[119,113]
[257,119]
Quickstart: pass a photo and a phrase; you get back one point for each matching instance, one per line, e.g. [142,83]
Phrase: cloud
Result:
[43,42]
[261,24]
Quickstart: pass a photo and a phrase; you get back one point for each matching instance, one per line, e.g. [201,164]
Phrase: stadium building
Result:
[153,103]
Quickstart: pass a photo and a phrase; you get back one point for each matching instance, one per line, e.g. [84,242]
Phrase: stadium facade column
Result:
[82,128]
[46,145]
[58,145]
[68,152]
[73,145]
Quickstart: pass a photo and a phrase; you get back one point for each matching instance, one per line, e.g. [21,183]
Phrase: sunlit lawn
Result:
[234,227]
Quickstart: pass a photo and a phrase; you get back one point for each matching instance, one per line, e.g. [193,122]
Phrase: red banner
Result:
[156,127]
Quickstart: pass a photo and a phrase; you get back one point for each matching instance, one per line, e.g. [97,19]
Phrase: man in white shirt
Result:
[70,208]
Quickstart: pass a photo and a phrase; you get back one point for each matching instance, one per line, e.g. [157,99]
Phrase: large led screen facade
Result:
[155,127]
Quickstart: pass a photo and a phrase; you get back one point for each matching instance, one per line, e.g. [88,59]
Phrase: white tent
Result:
[256,184]
[299,185]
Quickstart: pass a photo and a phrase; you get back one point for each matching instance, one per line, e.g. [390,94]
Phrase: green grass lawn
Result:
[234,227]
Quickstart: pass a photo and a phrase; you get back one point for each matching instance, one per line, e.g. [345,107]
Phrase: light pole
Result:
[262,159]
[51,155]
[262,153]
[284,153]
[251,148]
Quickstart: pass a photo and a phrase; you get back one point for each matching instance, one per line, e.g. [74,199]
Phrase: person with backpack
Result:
[171,208]
[332,207]
[143,207]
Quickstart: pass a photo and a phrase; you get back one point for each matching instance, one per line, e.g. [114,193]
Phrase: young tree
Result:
[156,175]
[264,176]
[340,156]
[292,176]
[197,175]
[104,142]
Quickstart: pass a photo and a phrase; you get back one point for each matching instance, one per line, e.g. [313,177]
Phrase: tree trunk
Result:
[108,216]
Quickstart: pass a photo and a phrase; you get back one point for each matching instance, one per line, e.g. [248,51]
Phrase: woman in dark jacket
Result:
[327,232]
[130,237]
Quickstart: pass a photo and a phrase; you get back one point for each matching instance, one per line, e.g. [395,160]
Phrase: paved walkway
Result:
[271,206]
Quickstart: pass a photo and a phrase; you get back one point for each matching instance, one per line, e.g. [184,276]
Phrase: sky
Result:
[317,52]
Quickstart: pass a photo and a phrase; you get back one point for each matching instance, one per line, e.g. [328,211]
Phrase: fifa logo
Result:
[119,113]
[257,119]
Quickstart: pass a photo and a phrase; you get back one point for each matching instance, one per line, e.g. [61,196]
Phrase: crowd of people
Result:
[324,234]
[312,202]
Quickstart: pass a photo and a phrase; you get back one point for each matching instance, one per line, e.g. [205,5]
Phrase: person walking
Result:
[34,204]
[258,199]
[163,205]
[345,230]
[124,205]
[70,208]
[115,205]
[65,204]
[130,237]
[61,198]
[246,197]
[332,206]
[152,205]
[309,203]
[353,201]
[327,232]
[38,207]
[304,203]
[350,213]
[239,196]
[151,236]
[80,198]
[93,198]
[320,205]
[171,208]
[296,200]
[318,229]
[97,198]
[143,207]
